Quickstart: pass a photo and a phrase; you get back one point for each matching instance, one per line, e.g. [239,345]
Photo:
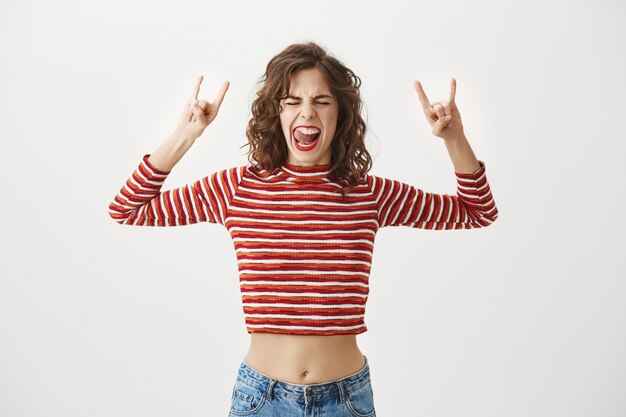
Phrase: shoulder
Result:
[235,172]
[377,181]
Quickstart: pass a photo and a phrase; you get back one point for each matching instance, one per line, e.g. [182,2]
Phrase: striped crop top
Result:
[304,254]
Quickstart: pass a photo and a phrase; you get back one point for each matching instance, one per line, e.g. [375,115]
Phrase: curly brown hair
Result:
[349,157]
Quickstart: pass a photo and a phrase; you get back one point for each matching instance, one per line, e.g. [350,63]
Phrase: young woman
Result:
[303,215]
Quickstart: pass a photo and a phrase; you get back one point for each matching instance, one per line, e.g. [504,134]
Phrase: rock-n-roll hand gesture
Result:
[444,116]
[198,114]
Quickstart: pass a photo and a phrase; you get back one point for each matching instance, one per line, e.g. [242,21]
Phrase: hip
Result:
[260,395]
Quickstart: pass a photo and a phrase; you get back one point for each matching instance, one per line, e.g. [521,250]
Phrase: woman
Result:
[303,214]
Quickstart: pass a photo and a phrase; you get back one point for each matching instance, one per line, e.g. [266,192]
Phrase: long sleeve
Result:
[140,202]
[401,204]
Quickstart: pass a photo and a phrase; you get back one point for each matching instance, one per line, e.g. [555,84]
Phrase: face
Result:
[310,106]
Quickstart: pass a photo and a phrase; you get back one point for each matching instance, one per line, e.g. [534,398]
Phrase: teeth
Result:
[308,131]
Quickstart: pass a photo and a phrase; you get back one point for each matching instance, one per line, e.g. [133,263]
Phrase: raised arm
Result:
[140,202]
[401,204]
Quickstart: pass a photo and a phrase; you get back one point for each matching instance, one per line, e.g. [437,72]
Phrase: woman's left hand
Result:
[443,116]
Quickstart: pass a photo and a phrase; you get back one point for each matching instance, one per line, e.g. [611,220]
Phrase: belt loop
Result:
[342,394]
[268,394]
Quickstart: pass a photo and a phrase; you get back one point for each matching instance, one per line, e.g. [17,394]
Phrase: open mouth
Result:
[306,138]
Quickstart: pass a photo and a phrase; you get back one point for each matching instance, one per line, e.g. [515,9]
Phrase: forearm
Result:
[170,152]
[462,155]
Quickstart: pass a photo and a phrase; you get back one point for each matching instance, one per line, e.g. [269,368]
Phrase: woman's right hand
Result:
[198,114]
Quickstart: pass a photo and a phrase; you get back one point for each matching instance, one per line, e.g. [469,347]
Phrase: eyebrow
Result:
[316,97]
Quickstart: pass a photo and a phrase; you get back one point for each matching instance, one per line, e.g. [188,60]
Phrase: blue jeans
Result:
[259,395]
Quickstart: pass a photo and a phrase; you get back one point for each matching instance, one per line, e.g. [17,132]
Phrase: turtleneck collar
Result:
[306,172]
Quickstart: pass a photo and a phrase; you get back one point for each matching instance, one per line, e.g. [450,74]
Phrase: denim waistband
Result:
[305,393]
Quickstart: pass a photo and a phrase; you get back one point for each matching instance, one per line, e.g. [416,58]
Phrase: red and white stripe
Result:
[304,254]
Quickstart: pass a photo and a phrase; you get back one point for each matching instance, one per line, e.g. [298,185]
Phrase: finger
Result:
[447,108]
[422,96]
[190,116]
[197,112]
[452,90]
[203,104]
[191,111]
[190,105]
[196,88]
[439,110]
[441,124]
[220,95]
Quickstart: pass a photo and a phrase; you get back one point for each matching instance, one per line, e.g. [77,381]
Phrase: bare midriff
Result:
[304,360]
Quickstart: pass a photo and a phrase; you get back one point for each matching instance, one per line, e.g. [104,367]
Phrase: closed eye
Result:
[295,104]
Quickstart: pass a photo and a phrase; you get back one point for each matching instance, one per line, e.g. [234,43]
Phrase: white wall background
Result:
[524,318]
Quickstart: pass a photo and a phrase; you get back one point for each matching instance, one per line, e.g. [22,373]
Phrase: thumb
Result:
[204,105]
[441,123]
[198,113]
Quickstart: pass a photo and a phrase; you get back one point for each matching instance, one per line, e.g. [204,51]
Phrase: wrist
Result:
[456,141]
[181,139]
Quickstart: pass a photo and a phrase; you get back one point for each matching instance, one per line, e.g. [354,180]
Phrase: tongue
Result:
[302,137]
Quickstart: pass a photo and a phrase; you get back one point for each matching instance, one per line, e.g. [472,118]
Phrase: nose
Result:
[307,111]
